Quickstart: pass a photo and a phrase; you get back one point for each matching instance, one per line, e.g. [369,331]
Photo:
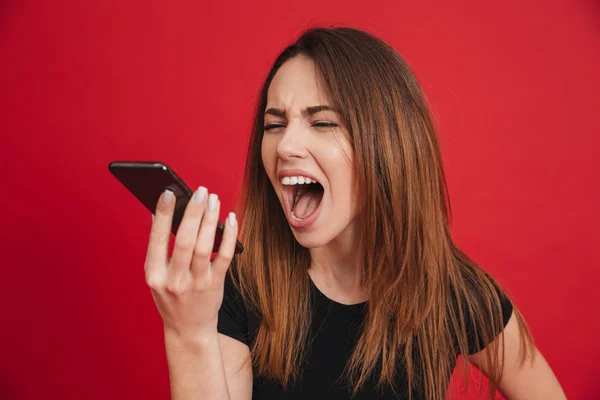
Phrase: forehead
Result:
[296,85]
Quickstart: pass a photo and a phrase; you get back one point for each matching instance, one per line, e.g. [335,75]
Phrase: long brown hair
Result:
[424,291]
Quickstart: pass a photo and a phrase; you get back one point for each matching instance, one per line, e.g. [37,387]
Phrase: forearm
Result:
[196,369]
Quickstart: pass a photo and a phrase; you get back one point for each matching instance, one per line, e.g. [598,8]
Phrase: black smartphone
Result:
[147,180]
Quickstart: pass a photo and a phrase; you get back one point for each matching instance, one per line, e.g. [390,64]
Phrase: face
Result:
[304,141]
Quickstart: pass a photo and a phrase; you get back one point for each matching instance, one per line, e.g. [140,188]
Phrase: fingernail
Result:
[232,219]
[200,195]
[168,197]
[212,201]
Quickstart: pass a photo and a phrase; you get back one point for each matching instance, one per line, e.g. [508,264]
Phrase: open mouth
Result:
[303,199]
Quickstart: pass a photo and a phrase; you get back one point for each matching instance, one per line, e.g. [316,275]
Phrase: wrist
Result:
[189,341]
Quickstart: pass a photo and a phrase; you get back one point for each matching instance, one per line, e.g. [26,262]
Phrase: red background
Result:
[514,88]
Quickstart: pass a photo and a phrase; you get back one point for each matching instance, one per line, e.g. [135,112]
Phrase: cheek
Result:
[342,179]
[346,167]
[269,156]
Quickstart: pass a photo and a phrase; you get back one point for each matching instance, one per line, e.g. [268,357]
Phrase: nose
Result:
[293,143]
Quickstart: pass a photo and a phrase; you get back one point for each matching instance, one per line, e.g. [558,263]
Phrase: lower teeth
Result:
[296,218]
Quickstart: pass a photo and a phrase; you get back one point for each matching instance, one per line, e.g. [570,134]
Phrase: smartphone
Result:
[147,180]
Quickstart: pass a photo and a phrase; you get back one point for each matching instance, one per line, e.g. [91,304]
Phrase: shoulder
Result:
[479,310]
[233,320]
[237,319]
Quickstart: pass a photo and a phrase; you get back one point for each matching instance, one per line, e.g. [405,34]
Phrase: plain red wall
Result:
[514,88]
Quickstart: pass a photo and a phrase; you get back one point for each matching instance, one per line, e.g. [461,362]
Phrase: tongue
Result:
[306,204]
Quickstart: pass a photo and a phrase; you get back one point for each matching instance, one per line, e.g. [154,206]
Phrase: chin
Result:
[310,242]
[313,239]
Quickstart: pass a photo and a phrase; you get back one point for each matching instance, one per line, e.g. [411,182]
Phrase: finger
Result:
[187,235]
[160,233]
[227,247]
[206,236]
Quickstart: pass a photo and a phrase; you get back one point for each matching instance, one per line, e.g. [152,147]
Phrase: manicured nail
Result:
[232,219]
[168,197]
[200,195]
[212,201]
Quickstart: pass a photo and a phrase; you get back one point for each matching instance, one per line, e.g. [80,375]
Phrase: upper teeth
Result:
[293,180]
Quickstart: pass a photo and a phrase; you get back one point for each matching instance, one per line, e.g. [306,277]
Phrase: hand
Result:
[188,287]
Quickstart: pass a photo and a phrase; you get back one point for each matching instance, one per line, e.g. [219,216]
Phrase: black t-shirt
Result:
[334,333]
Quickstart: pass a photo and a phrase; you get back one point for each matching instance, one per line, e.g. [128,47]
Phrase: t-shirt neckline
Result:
[333,302]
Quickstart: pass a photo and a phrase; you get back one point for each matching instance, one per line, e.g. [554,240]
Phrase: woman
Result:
[350,284]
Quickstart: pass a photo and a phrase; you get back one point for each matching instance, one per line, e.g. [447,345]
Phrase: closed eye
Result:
[325,124]
[316,124]
[272,126]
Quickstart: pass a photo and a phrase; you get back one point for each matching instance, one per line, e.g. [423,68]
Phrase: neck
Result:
[336,270]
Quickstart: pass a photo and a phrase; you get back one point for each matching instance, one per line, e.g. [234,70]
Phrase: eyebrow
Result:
[306,112]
